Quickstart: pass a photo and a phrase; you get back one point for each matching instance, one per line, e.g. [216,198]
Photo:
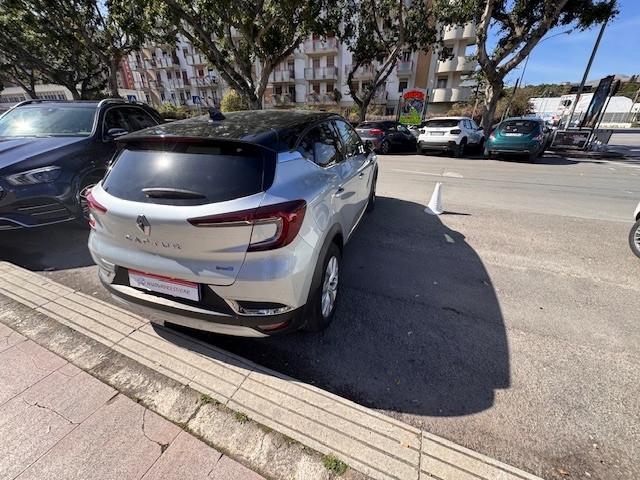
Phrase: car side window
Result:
[320,145]
[115,118]
[473,124]
[403,129]
[139,119]
[350,139]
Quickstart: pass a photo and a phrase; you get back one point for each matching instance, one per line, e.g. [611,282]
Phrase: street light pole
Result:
[586,73]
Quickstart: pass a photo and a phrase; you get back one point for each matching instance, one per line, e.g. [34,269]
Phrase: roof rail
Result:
[24,102]
[110,100]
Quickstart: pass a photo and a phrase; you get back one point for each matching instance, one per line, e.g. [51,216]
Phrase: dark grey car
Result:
[386,136]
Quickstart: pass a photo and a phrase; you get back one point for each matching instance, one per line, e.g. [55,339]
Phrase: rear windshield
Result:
[369,125]
[187,174]
[518,126]
[444,123]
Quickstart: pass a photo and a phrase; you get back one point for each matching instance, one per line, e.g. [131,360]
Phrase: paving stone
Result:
[102,446]
[9,338]
[186,458]
[229,469]
[27,432]
[23,365]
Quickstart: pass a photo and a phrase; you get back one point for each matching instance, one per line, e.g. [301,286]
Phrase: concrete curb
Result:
[170,372]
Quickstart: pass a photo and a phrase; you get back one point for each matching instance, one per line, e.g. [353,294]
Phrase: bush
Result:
[233,102]
[169,110]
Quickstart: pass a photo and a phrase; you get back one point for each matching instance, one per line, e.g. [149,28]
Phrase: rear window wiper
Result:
[173,193]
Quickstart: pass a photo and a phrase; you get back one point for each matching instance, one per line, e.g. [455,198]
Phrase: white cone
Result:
[435,204]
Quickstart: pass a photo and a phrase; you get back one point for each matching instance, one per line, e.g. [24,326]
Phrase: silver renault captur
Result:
[233,224]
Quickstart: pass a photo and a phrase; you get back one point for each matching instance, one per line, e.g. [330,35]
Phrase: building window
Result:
[447,52]
[187,93]
[185,51]
[200,72]
[292,92]
[278,89]
[403,85]
[330,87]
[162,97]
[442,82]
[331,61]
[182,96]
[406,55]
[315,87]
[316,63]
[169,75]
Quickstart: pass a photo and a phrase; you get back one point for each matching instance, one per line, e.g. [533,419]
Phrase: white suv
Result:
[233,225]
[453,134]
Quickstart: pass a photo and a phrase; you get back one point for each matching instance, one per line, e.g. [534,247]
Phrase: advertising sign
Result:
[571,138]
[597,102]
[132,98]
[412,106]
[196,99]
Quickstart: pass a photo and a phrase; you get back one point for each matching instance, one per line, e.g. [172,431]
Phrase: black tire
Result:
[371,203]
[533,157]
[634,238]
[385,147]
[317,320]
[88,182]
[481,146]
[458,150]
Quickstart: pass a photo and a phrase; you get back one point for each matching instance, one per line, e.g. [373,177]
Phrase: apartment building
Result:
[176,74]
[317,72]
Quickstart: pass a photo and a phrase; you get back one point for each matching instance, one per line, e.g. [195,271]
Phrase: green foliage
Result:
[377,32]
[233,102]
[334,464]
[169,110]
[208,400]
[241,417]
[233,34]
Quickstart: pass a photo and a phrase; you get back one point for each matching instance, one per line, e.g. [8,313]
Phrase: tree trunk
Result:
[492,94]
[113,77]
[364,107]
[74,92]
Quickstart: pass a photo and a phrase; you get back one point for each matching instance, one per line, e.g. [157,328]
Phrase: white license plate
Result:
[437,133]
[168,286]
[512,134]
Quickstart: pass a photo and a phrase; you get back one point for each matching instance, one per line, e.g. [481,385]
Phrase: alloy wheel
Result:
[330,287]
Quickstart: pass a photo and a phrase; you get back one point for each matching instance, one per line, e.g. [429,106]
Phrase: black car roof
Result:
[275,129]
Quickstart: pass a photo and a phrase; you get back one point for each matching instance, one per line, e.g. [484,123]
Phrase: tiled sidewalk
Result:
[58,422]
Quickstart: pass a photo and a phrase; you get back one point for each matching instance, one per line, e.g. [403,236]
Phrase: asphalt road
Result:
[509,324]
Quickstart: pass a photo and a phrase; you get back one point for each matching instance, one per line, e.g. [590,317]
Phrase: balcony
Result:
[174,83]
[458,64]
[321,46]
[460,94]
[362,72]
[321,73]
[466,32]
[404,67]
[196,59]
[282,76]
[202,81]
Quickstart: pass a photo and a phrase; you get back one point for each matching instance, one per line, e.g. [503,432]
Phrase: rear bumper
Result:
[436,145]
[164,311]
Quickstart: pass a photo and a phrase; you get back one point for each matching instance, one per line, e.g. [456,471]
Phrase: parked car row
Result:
[233,224]
[526,136]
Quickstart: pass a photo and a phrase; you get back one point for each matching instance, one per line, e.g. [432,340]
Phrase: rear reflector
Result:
[287,218]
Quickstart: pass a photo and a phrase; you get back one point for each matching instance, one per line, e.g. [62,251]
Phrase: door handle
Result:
[361,174]
[339,191]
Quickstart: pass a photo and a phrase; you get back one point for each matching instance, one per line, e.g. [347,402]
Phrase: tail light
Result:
[94,207]
[376,132]
[455,131]
[287,218]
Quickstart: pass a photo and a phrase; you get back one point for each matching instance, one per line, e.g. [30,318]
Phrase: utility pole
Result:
[586,73]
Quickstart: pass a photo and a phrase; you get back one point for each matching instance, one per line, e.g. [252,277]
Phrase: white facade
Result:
[177,74]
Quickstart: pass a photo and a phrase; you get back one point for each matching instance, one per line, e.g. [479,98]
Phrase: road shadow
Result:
[55,247]
[418,329]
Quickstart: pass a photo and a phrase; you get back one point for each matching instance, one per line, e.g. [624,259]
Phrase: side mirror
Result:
[114,133]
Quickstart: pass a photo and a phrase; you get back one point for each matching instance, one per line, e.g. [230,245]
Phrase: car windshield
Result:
[48,121]
[442,123]
[518,126]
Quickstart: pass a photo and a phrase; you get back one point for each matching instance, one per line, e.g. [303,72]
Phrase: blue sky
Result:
[563,58]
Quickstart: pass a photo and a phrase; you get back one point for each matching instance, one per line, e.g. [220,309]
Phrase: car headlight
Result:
[37,175]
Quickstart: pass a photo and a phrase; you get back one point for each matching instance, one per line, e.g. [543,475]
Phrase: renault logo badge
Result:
[143,225]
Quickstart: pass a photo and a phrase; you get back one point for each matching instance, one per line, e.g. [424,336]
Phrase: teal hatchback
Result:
[518,136]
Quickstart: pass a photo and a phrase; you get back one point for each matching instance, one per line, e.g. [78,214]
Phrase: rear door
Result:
[153,194]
